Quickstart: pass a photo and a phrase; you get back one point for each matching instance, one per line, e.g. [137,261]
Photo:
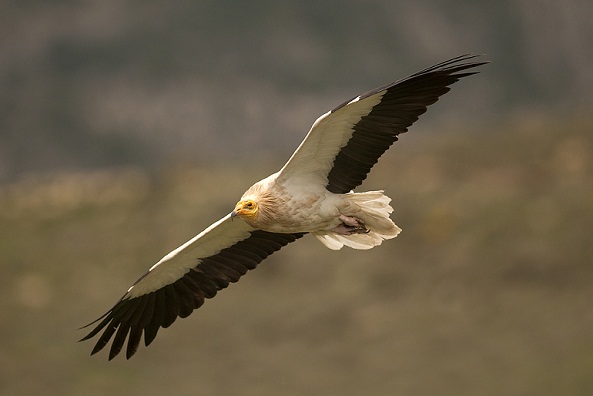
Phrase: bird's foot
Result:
[350,225]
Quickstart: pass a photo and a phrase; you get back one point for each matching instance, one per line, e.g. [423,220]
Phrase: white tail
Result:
[373,209]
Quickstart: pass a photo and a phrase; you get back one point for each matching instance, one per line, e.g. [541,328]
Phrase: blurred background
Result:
[127,127]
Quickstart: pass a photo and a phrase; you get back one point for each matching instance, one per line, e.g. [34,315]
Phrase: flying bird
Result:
[312,193]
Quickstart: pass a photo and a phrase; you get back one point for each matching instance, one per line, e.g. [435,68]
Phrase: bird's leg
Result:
[350,225]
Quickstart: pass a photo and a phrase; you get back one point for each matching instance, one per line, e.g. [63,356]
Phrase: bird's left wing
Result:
[181,280]
[344,143]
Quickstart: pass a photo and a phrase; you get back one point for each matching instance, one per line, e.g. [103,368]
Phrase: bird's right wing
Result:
[344,143]
[181,280]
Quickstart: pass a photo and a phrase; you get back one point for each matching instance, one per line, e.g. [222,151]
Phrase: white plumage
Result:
[312,193]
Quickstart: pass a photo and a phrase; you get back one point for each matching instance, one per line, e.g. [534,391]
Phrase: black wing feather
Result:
[130,318]
[171,306]
[157,318]
[401,105]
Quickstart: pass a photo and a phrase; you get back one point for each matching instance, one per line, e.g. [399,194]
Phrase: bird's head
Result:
[245,209]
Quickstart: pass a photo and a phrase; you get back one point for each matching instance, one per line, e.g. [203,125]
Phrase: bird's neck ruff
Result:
[268,204]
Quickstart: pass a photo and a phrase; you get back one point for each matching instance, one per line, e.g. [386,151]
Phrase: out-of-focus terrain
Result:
[87,85]
[487,290]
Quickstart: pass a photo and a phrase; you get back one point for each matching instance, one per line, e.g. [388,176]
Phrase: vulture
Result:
[311,194]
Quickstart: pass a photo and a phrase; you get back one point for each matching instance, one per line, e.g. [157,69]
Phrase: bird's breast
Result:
[301,212]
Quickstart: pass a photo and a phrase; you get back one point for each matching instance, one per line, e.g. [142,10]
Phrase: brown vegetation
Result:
[487,290]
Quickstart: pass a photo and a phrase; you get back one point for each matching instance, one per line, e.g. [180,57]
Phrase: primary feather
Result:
[312,193]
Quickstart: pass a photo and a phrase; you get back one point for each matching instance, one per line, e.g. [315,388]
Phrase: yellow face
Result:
[246,209]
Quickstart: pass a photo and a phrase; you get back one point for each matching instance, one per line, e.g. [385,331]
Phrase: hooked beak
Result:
[236,211]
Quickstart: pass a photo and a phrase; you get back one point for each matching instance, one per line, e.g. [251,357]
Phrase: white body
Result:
[310,207]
